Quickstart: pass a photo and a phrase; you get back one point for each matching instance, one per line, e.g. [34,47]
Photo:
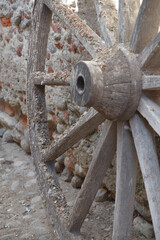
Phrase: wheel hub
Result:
[111,83]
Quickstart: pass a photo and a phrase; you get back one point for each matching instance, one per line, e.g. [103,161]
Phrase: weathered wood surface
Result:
[37,119]
[125,183]
[52,79]
[151,82]
[100,9]
[128,10]
[87,123]
[37,115]
[102,158]
[149,164]
[147,25]
[90,40]
[151,112]
[149,57]
[112,83]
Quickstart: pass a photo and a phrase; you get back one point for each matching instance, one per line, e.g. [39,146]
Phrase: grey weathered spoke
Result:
[102,158]
[52,79]
[146,26]
[86,125]
[149,164]
[151,82]
[125,183]
[90,40]
[151,112]
[101,14]
[151,54]
[128,10]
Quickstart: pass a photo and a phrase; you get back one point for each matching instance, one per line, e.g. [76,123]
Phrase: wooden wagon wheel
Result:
[122,84]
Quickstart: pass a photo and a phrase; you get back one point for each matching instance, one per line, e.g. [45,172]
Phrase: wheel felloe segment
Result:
[37,119]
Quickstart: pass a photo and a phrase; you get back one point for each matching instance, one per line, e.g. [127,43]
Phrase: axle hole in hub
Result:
[80,86]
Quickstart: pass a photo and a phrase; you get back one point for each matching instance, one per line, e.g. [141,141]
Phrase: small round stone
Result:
[76,182]
[58,167]
[7,137]
[25,145]
[60,159]
[78,171]
[60,128]
[67,175]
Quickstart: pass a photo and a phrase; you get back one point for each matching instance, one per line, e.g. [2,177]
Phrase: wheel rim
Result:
[146,106]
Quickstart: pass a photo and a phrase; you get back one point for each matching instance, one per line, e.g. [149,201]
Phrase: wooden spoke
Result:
[146,26]
[151,54]
[86,125]
[151,82]
[52,79]
[102,158]
[151,112]
[125,183]
[90,40]
[101,14]
[149,165]
[128,10]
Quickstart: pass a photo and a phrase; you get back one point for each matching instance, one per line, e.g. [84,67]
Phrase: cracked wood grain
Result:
[149,164]
[146,26]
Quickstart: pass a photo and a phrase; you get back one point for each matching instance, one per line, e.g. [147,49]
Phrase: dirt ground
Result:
[22,215]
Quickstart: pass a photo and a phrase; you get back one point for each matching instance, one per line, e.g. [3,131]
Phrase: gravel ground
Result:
[22,215]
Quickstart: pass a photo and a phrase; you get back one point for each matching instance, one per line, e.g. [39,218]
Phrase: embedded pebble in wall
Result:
[68,36]
[101,195]
[60,128]
[7,137]
[72,120]
[67,55]
[76,182]
[14,6]
[57,37]
[143,227]
[25,23]
[17,17]
[67,175]
[2,131]
[59,167]
[19,50]
[25,146]
[52,48]
[17,20]
[60,159]
[17,136]
[61,117]
[78,171]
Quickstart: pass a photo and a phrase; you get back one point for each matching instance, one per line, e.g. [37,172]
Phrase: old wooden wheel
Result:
[122,84]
